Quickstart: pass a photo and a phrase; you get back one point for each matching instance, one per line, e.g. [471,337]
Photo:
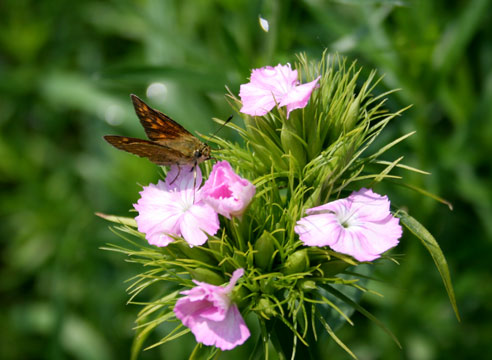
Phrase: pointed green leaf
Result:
[332,334]
[118,219]
[435,251]
[202,352]
[360,309]
[174,334]
[427,193]
[139,340]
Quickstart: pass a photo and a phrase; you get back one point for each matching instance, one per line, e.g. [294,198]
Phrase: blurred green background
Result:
[66,71]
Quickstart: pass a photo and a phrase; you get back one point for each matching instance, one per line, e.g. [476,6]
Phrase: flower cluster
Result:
[285,241]
[179,207]
[360,225]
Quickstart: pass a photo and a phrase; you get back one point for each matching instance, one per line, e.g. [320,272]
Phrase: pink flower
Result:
[207,310]
[227,192]
[360,225]
[167,209]
[270,86]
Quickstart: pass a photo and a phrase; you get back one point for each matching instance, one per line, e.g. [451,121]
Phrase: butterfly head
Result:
[202,154]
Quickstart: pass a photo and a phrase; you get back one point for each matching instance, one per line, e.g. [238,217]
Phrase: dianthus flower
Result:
[174,208]
[360,225]
[270,86]
[226,191]
[211,316]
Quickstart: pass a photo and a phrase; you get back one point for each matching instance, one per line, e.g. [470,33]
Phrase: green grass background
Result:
[66,70]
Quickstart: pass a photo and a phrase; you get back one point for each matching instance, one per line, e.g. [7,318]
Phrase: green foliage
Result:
[67,69]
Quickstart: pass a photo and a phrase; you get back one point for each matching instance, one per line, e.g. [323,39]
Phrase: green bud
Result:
[297,262]
[240,259]
[267,285]
[331,268]
[249,121]
[239,296]
[265,247]
[266,307]
[194,253]
[206,275]
[254,287]
[306,285]
[352,114]
[219,250]
[291,143]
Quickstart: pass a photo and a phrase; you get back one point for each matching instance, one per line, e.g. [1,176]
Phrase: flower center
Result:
[186,201]
[347,218]
[222,191]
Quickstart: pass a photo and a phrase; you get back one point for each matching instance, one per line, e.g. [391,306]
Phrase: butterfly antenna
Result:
[220,128]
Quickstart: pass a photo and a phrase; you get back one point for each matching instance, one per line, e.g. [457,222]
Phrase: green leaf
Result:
[426,193]
[360,309]
[174,334]
[258,352]
[432,246]
[139,340]
[202,352]
[118,219]
[332,334]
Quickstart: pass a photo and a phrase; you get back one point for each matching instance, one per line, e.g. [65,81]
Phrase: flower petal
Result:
[318,230]
[298,97]
[380,236]
[351,243]
[277,80]
[234,278]
[270,86]
[369,205]
[186,309]
[256,100]
[227,193]
[182,177]
[199,218]
[226,334]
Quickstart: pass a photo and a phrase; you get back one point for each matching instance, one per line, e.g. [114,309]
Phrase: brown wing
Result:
[158,126]
[157,153]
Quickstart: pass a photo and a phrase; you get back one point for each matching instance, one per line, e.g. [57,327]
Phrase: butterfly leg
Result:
[194,180]
[179,171]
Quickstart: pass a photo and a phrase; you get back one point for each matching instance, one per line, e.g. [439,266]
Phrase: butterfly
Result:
[169,143]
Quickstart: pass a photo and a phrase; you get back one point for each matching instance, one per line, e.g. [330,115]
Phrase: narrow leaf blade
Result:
[435,251]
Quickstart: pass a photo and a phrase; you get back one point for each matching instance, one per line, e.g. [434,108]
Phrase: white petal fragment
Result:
[264,24]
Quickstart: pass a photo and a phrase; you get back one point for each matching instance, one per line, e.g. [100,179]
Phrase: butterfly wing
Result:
[155,152]
[158,126]
[169,143]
